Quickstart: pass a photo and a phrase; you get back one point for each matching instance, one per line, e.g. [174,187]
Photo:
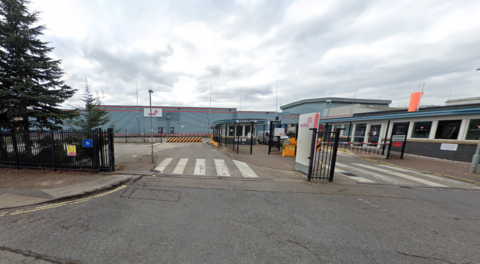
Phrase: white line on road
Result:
[378,176]
[180,166]
[360,179]
[163,165]
[221,167]
[245,169]
[401,175]
[199,167]
[116,156]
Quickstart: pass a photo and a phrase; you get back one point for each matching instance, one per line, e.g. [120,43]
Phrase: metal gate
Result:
[323,154]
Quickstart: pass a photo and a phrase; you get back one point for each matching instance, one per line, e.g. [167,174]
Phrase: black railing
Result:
[66,149]
[323,155]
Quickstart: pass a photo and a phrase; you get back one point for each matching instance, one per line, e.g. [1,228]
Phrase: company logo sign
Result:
[309,123]
[156,112]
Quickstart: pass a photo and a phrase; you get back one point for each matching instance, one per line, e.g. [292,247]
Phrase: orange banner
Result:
[414,101]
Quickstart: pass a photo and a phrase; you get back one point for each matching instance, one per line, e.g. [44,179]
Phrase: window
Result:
[346,130]
[360,133]
[230,131]
[448,129]
[421,129]
[239,131]
[473,130]
[374,133]
[247,130]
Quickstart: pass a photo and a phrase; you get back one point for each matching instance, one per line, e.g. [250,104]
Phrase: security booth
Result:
[238,131]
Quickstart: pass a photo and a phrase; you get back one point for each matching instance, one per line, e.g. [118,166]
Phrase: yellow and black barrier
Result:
[183,139]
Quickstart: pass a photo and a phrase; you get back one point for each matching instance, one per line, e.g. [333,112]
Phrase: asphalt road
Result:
[250,221]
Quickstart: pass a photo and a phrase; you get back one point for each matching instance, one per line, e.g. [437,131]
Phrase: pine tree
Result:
[92,115]
[31,89]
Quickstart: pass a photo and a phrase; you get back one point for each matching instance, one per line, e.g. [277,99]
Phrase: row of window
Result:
[445,129]
[242,131]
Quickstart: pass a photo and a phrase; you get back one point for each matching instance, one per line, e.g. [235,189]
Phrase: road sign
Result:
[87,143]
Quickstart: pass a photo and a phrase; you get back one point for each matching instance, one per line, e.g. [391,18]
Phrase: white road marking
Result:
[221,167]
[428,175]
[401,175]
[180,166]
[360,179]
[357,178]
[116,156]
[199,167]
[163,165]
[245,169]
[378,176]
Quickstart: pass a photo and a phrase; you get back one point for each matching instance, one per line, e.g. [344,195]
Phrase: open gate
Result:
[323,154]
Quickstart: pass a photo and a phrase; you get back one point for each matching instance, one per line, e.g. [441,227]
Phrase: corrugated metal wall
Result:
[184,120]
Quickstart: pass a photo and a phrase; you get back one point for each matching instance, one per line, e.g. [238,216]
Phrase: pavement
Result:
[25,197]
[258,157]
[439,167]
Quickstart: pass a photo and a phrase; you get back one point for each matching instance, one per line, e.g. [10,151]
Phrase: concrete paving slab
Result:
[8,200]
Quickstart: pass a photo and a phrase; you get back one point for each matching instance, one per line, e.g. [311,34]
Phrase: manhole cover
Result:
[350,174]
[159,195]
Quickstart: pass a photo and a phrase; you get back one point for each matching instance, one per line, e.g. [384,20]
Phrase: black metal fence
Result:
[323,155]
[67,149]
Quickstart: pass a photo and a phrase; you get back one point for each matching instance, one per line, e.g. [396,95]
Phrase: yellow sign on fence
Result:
[71,150]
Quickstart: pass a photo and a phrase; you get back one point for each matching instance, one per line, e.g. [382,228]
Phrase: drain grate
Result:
[349,174]
[146,194]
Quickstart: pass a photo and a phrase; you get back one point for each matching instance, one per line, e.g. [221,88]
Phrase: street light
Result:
[476,156]
[151,126]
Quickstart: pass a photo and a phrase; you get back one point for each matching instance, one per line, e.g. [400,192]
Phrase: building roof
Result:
[472,109]
[338,100]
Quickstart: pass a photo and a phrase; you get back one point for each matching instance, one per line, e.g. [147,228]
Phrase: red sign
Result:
[397,144]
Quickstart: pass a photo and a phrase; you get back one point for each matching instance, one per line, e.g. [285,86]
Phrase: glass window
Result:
[239,131]
[230,131]
[346,130]
[247,130]
[360,133]
[448,129]
[473,130]
[421,129]
[374,133]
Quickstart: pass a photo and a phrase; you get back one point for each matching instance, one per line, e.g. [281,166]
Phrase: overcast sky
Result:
[253,52]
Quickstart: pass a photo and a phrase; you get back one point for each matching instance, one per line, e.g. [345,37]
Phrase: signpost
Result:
[304,140]
[398,137]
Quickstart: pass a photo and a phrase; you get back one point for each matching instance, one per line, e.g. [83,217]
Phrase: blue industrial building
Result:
[173,120]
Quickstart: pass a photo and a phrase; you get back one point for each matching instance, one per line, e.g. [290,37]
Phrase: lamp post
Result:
[476,156]
[151,127]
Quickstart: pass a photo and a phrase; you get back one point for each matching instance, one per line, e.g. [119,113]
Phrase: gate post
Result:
[334,154]
[111,151]
[15,149]
[96,149]
[52,138]
[312,153]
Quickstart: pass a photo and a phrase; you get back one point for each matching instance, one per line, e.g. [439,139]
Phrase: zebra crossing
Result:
[203,167]
[384,174]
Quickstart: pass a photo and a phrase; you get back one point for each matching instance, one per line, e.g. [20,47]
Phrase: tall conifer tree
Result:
[31,88]
[92,115]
